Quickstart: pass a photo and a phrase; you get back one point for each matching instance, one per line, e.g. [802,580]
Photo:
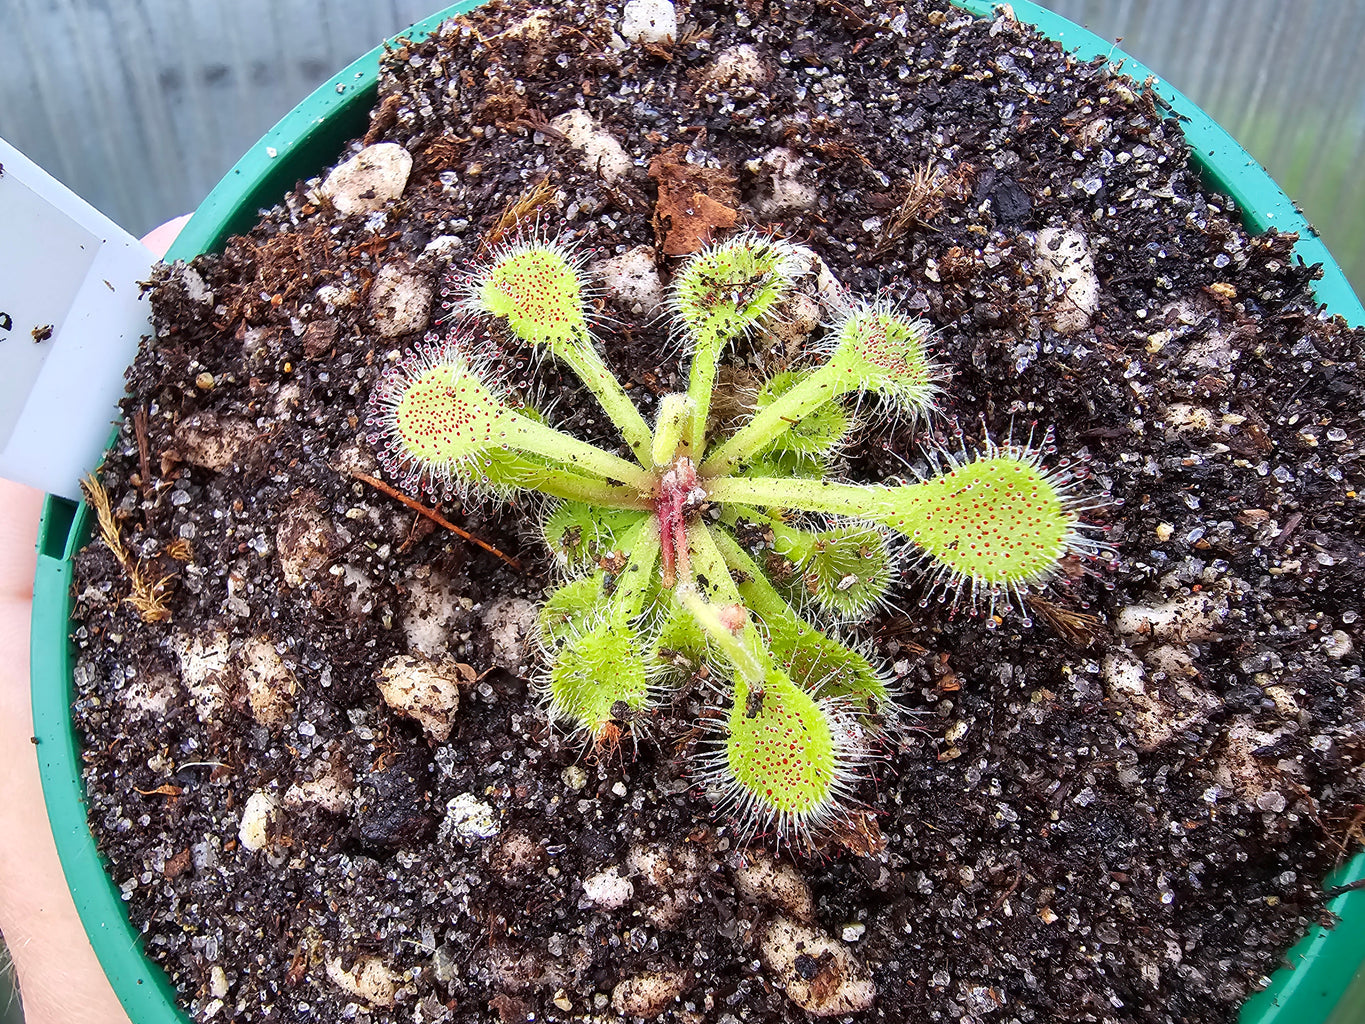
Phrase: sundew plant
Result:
[735,552]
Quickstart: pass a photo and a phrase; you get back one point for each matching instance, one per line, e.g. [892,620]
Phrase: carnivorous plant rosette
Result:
[736,552]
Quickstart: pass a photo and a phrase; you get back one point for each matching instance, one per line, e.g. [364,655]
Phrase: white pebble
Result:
[649,21]
[1174,660]
[608,890]
[648,994]
[632,280]
[793,319]
[195,288]
[537,25]
[1065,257]
[672,875]
[467,819]
[429,614]
[839,985]
[827,288]
[364,183]
[1154,711]
[1124,674]
[329,793]
[424,689]
[400,301]
[1186,418]
[203,665]
[602,153]
[151,694]
[443,247]
[1189,617]
[762,879]
[270,686]
[1338,644]
[214,442]
[337,296]
[304,541]
[789,191]
[370,979]
[1271,801]
[260,815]
[511,622]
[736,66]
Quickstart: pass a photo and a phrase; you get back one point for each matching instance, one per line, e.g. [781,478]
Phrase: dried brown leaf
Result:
[148,598]
[694,202]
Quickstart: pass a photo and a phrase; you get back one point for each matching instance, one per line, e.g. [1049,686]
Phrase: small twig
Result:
[1290,526]
[435,517]
[1339,890]
[925,193]
[695,34]
[1307,797]
[144,457]
[1000,900]
[1353,830]
[848,14]
[163,790]
[384,118]
[419,530]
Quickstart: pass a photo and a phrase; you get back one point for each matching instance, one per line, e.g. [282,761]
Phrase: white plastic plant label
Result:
[71,317]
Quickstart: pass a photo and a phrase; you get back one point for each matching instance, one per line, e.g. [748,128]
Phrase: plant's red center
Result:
[676,498]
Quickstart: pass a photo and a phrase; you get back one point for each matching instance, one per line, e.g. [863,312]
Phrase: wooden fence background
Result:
[141,105]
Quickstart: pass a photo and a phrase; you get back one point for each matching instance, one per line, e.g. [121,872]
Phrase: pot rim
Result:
[310,137]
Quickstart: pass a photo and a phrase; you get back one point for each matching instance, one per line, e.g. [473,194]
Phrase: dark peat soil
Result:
[1121,812]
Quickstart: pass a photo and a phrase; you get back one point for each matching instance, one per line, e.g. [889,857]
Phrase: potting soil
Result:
[1120,812]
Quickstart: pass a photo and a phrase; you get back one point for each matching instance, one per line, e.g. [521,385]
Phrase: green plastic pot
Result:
[1322,986]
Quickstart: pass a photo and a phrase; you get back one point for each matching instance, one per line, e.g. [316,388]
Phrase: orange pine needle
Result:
[435,517]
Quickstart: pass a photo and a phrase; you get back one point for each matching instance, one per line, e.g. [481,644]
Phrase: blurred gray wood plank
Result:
[142,105]
[1285,77]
